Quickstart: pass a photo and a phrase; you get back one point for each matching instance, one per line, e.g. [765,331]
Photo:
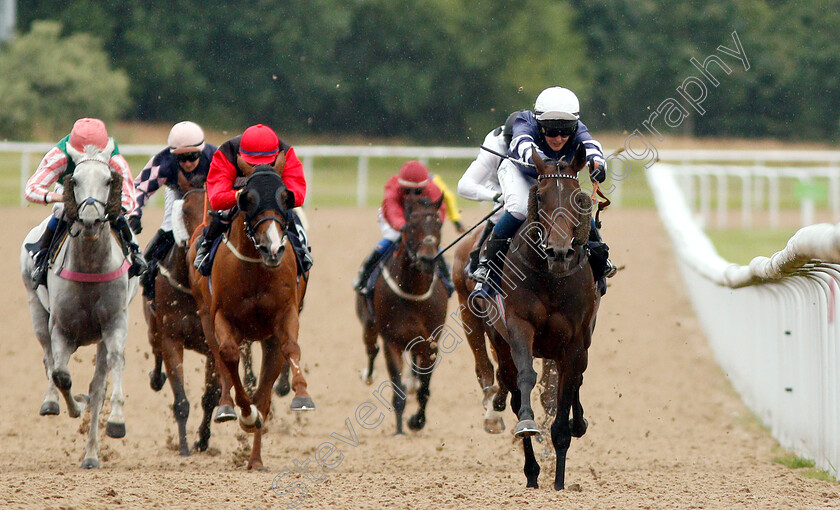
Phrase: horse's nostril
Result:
[551,253]
[570,253]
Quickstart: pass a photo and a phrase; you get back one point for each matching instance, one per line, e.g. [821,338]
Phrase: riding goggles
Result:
[187,157]
[562,127]
[413,191]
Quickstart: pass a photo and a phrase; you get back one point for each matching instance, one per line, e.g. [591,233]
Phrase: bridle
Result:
[410,250]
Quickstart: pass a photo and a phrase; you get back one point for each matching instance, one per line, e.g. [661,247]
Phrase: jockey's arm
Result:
[120,165]
[392,208]
[146,184]
[594,152]
[220,179]
[472,184]
[37,188]
[294,177]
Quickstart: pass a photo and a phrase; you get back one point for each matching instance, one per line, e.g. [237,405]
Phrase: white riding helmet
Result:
[186,136]
[557,103]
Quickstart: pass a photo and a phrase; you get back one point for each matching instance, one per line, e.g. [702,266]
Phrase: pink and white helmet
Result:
[88,132]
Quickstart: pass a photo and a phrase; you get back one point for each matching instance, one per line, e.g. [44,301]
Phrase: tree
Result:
[55,81]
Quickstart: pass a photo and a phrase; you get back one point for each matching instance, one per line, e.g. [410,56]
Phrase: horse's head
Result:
[561,209]
[264,202]
[421,233]
[93,193]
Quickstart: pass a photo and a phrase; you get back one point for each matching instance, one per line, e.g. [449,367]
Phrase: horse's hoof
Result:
[115,430]
[494,424]
[49,408]
[200,446]
[253,422]
[526,428]
[416,422]
[579,429]
[366,377]
[156,381]
[82,398]
[90,464]
[302,404]
[184,452]
[282,387]
[224,413]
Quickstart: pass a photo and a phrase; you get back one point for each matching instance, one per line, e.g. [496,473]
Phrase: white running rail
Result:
[772,325]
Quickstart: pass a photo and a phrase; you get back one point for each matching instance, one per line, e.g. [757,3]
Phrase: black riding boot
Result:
[40,256]
[138,263]
[488,273]
[477,251]
[202,254]
[445,276]
[600,252]
[366,270]
[156,250]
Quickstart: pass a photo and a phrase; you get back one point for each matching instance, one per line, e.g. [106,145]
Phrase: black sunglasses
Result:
[413,191]
[553,128]
[187,157]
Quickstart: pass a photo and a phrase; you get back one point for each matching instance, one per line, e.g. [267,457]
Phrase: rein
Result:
[171,279]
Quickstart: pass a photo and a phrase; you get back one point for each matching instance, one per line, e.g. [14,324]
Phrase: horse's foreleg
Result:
[248,368]
[393,361]
[532,467]
[282,387]
[115,347]
[97,397]
[286,330]
[209,401]
[493,423]
[370,336]
[271,364]
[229,355]
[568,398]
[521,338]
[425,366]
[61,352]
[173,355]
[40,322]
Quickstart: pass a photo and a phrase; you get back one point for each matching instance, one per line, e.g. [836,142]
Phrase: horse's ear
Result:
[538,161]
[71,208]
[438,202]
[244,167]
[285,198]
[183,182]
[114,206]
[247,201]
[579,160]
[280,163]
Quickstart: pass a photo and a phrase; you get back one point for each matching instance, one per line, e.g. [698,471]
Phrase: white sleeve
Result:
[473,184]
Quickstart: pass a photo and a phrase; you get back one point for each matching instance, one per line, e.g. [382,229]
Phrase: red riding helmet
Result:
[259,145]
[413,174]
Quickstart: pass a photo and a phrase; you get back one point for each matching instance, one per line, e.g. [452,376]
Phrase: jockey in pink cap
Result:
[57,164]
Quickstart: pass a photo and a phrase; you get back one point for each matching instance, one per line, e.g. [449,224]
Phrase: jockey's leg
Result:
[138,263]
[299,240]
[488,228]
[489,271]
[445,275]
[202,255]
[369,263]
[608,269]
[156,251]
[40,252]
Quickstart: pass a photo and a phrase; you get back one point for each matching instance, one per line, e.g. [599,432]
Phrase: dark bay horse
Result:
[546,307]
[253,294]
[409,308]
[174,324]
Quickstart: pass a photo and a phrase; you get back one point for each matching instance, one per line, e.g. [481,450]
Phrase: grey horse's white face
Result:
[91,187]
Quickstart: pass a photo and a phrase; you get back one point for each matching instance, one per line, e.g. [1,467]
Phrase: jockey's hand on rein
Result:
[135,224]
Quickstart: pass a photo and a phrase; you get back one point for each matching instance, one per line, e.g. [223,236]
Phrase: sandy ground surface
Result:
[666,429]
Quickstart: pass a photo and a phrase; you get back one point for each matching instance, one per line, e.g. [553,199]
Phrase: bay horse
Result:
[253,294]
[85,301]
[546,307]
[173,321]
[409,308]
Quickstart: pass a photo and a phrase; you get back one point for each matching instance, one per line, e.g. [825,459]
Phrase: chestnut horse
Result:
[174,323]
[254,294]
[409,308]
[546,308]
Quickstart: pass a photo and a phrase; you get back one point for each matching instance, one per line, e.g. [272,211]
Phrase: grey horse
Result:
[87,295]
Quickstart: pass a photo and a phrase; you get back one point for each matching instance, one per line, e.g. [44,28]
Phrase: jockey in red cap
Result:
[413,179]
[232,163]
[57,164]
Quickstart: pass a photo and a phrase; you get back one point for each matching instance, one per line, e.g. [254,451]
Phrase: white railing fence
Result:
[772,325]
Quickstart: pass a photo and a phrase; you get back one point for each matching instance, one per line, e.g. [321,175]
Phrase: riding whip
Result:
[482,220]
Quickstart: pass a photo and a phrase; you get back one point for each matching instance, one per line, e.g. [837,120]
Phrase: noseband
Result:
[411,251]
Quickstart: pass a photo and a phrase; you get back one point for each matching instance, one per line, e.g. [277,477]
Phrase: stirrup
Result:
[609,269]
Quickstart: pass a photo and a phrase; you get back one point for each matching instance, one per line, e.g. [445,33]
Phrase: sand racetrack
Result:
[666,429]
